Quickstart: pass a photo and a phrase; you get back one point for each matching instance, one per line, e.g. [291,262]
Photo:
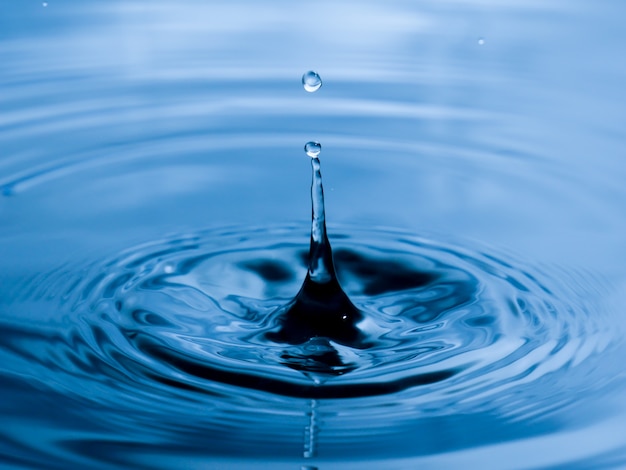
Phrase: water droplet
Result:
[481,41]
[168,269]
[313,149]
[45,4]
[311,81]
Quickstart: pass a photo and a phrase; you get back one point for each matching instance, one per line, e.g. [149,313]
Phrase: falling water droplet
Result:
[481,41]
[313,149]
[311,81]
[45,4]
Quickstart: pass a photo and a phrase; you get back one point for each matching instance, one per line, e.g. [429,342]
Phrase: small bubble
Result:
[45,4]
[311,81]
[481,41]
[313,149]
[168,269]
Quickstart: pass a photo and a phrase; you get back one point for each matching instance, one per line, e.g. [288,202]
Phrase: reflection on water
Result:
[154,215]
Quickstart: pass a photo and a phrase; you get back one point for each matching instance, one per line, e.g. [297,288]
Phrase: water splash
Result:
[321,311]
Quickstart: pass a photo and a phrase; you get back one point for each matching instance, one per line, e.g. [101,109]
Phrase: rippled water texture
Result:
[154,229]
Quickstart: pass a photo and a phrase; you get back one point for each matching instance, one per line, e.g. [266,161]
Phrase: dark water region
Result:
[166,302]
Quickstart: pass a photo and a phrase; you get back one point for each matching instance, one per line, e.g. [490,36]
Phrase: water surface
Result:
[155,212]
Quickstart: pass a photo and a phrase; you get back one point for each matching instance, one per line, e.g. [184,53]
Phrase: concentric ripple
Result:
[194,311]
[124,347]
[177,330]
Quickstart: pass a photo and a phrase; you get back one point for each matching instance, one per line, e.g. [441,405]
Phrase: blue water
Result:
[155,214]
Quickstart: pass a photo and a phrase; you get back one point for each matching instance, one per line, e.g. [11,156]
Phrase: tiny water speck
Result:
[313,149]
[45,4]
[311,81]
[481,41]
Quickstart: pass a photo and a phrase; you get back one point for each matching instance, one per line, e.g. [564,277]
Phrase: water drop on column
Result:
[313,149]
[311,81]
[321,312]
